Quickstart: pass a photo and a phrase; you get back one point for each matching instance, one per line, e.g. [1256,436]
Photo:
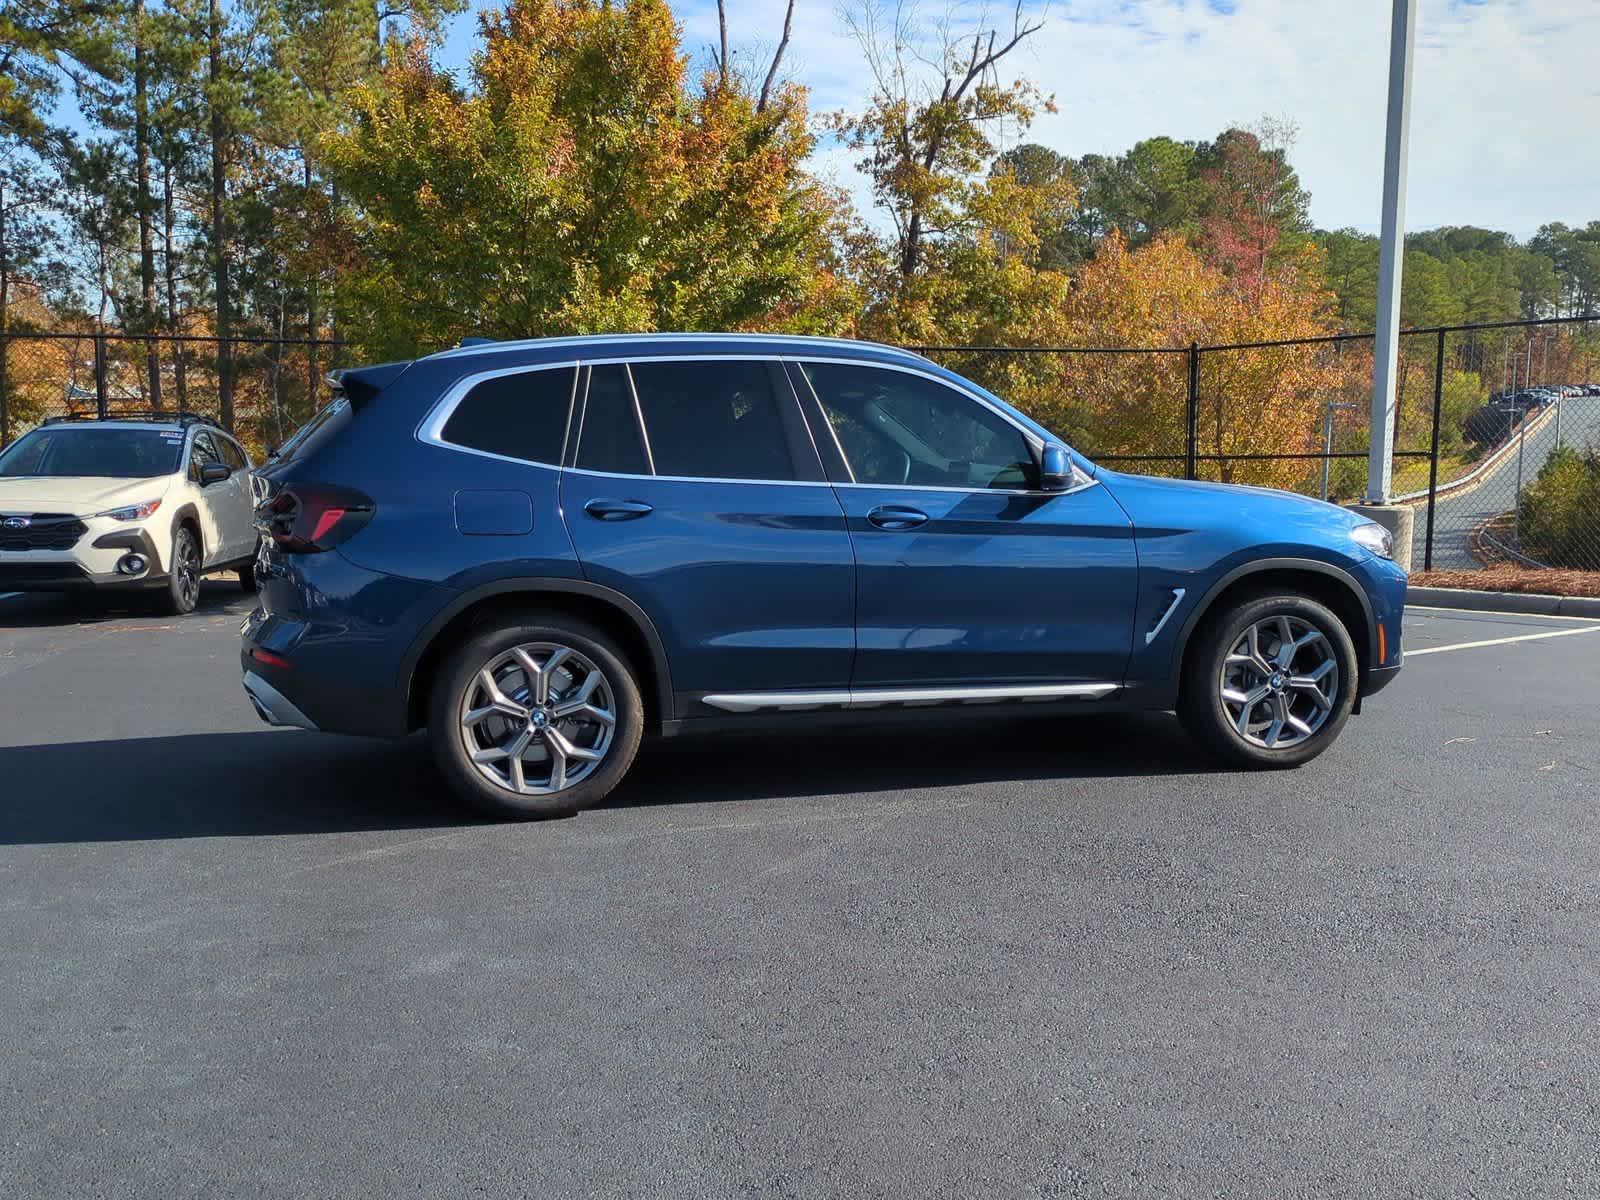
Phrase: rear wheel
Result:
[535,716]
[247,574]
[1270,681]
[183,573]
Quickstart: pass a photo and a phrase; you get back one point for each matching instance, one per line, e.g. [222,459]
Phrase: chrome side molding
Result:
[804,701]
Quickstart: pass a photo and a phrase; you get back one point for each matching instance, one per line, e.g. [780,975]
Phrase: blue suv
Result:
[543,550]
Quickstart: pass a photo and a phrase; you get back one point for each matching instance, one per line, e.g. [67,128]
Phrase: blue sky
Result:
[1505,123]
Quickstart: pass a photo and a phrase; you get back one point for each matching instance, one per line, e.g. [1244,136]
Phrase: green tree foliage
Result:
[1574,256]
[1453,275]
[1559,521]
[578,183]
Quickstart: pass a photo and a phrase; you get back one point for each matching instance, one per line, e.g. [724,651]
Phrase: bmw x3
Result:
[543,550]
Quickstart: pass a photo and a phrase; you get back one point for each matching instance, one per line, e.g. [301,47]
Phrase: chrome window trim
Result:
[430,430]
[433,423]
[638,415]
[818,483]
[800,701]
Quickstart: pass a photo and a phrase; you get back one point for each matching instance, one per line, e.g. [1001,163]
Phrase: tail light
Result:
[308,518]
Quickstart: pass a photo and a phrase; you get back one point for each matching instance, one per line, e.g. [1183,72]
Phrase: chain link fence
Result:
[1497,426]
[261,388]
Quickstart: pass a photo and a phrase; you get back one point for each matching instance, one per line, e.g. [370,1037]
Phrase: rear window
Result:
[323,427]
[713,419]
[521,415]
[103,453]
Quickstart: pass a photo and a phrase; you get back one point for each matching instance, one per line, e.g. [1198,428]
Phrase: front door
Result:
[967,575]
[695,491]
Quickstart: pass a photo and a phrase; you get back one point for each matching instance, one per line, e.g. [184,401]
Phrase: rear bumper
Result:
[272,706]
[329,639]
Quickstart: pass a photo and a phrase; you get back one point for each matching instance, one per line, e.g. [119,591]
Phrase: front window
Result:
[900,429]
[204,452]
[56,452]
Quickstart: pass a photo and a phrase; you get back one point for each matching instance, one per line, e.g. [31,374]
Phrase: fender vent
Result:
[1175,597]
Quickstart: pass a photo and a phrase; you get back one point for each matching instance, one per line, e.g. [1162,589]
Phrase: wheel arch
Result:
[609,609]
[1324,582]
[188,514]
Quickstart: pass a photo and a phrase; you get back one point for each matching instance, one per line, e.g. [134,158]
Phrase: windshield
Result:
[108,453]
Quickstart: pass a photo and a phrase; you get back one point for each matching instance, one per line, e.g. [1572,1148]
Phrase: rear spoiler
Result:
[360,384]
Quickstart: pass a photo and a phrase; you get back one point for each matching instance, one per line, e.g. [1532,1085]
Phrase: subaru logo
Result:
[15,523]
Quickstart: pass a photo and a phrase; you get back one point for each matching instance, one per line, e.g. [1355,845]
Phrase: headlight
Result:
[134,512]
[1374,537]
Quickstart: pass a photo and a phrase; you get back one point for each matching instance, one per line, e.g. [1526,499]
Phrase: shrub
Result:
[1559,518]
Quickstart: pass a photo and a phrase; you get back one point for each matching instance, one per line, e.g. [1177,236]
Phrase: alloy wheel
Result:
[537,718]
[1280,682]
[188,572]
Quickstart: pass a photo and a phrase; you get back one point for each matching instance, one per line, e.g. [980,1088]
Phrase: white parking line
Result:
[1493,612]
[1521,637]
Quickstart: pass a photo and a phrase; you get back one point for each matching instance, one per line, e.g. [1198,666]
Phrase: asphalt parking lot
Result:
[1037,957]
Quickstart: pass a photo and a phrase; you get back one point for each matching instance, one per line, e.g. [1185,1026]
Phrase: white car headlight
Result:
[1374,537]
[133,512]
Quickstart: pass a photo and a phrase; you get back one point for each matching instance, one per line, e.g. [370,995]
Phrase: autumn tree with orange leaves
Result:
[582,183]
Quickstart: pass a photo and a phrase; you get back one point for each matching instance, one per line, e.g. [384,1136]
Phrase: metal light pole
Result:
[1516,527]
[1386,343]
[1327,437]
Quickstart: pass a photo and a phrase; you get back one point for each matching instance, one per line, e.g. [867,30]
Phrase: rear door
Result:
[693,488]
[967,574]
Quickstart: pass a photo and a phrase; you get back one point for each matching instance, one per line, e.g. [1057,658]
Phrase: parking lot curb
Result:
[1533,603]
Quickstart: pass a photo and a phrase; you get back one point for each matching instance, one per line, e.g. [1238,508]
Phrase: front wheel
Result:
[1270,681]
[535,716]
[183,573]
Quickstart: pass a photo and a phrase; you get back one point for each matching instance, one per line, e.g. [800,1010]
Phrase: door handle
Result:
[605,509]
[896,517]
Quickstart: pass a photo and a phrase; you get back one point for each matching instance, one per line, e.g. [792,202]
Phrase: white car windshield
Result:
[108,453]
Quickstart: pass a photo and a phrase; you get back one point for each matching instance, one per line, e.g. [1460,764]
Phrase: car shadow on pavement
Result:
[270,783]
[940,751]
[218,785]
[52,610]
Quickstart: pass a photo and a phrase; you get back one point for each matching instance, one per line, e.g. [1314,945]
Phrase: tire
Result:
[459,690]
[247,575]
[1221,678]
[182,594]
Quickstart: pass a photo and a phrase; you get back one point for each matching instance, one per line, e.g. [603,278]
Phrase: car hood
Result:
[80,495]
[1151,501]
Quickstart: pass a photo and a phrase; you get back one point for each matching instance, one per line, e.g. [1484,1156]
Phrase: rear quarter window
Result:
[520,415]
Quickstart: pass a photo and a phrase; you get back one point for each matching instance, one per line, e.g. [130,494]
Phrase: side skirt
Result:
[806,701]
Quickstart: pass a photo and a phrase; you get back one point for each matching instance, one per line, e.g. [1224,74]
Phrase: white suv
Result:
[127,504]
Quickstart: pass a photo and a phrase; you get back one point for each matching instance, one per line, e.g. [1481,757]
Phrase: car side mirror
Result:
[1055,468]
[214,473]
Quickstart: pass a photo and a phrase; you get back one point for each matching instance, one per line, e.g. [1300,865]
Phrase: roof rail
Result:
[182,417]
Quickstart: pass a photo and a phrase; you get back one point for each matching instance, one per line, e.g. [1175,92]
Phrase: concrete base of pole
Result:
[1398,519]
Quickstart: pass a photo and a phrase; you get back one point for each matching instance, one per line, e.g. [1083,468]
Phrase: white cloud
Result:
[1506,101]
